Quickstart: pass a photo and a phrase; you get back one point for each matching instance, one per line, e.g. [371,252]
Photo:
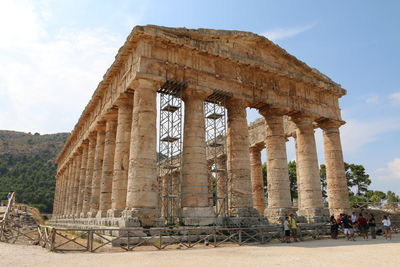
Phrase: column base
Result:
[198,216]
[101,214]
[314,215]
[337,211]
[146,216]
[244,212]
[114,213]
[277,215]
[83,215]
[91,214]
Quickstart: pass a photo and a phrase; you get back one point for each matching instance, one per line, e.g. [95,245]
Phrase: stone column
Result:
[60,191]
[222,185]
[108,164]
[82,177]
[75,186]
[279,200]
[70,186]
[56,193]
[89,174]
[238,161]
[121,158]
[65,189]
[311,205]
[338,193]
[297,173]
[257,183]
[196,209]
[97,170]
[142,195]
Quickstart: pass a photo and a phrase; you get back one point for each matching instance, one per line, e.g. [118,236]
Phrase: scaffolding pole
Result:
[215,128]
[170,150]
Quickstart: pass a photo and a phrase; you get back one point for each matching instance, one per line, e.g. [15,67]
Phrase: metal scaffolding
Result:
[170,149]
[215,128]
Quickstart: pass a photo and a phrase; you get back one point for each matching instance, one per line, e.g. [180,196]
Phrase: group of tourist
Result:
[363,224]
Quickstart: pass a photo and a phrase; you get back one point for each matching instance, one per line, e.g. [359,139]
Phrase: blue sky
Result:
[54,53]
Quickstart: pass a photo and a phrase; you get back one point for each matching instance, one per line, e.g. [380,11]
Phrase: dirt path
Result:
[310,253]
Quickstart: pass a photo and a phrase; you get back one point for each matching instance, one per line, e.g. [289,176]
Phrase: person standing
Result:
[293,227]
[286,228]
[386,227]
[372,225]
[334,227]
[354,220]
[362,225]
[348,227]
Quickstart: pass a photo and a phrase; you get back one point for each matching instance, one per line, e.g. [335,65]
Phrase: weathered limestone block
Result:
[257,180]
[338,195]
[108,165]
[97,170]
[142,197]
[121,158]
[238,161]
[310,192]
[89,174]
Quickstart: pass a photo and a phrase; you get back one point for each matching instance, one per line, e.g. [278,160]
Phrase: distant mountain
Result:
[12,142]
[27,166]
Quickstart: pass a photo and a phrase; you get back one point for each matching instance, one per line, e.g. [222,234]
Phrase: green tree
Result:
[375,196]
[293,179]
[322,175]
[356,177]
[392,199]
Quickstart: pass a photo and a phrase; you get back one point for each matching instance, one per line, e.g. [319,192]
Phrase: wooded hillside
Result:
[27,166]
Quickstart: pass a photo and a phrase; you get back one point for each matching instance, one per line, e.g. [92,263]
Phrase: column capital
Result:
[328,124]
[268,110]
[255,149]
[303,121]
[111,115]
[125,99]
[101,126]
[236,103]
[190,93]
[92,135]
[147,84]
[85,143]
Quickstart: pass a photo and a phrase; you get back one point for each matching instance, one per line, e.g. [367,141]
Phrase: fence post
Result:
[262,235]
[90,241]
[52,239]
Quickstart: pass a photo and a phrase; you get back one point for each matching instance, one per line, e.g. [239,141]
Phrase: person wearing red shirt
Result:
[363,226]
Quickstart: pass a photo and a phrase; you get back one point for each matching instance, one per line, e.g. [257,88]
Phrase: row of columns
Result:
[113,172]
[310,203]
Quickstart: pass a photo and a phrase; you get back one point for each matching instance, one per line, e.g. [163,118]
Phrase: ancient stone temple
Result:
[165,138]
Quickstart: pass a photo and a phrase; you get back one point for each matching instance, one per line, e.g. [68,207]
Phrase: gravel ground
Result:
[325,252]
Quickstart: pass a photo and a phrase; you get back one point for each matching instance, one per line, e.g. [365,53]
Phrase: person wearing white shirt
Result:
[386,227]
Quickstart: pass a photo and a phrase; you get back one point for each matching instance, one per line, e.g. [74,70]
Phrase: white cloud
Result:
[395,97]
[283,33]
[47,79]
[355,134]
[372,99]
[391,171]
